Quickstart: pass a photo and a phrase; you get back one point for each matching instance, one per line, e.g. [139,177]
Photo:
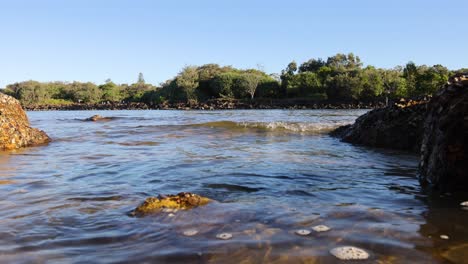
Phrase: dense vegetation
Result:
[339,78]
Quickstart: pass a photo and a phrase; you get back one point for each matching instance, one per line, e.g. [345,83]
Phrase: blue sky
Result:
[92,40]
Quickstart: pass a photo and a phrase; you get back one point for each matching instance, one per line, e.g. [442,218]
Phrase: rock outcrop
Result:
[15,131]
[437,129]
[444,151]
[399,126]
[181,201]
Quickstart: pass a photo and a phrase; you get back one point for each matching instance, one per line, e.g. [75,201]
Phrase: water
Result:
[272,173]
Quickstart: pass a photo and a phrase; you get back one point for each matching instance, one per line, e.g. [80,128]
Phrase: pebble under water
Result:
[286,192]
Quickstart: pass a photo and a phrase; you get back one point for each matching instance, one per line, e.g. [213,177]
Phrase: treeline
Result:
[338,78]
[33,92]
[211,81]
[343,77]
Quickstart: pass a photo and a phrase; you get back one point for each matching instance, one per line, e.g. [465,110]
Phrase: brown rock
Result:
[181,201]
[15,131]
[457,254]
[96,118]
[444,152]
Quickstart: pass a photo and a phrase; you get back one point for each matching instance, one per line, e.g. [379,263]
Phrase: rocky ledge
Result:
[444,151]
[399,126]
[181,201]
[15,131]
[437,129]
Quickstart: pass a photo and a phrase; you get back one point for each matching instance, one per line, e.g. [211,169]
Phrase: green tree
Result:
[343,87]
[393,82]
[206,75]
[84,92]
[410,73]
[29,92]
[269,87]
[141,79]
[312,65]
[187,80]
[430,79]
[222,84]
[371,84]
[309,84]
[344,63]
[249,83]
[287,78]
[110,92]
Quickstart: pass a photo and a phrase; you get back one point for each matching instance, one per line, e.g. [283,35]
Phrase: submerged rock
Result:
[181,201]
[15,131]
[190,232]
[224,236]
[444,151]
[321,228]
[349,253]
[96,118]
[399,126]
[457,254]
[302,232]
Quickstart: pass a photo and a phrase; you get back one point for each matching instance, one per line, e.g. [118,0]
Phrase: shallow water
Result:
[272,172]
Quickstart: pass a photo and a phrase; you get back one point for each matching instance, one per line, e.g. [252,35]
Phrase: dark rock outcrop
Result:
[444,152]
[180,201]
[399,126]
[438,130]
[15,131]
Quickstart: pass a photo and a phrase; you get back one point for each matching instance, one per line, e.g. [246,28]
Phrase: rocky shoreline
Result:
[15,130]
[212,105]
[436,129]
[444,149]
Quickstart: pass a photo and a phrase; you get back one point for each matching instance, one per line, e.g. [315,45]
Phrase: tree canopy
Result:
[341,77]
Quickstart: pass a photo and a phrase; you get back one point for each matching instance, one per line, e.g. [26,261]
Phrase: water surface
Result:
[272,172]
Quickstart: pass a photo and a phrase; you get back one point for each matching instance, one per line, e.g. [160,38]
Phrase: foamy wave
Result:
[297,127]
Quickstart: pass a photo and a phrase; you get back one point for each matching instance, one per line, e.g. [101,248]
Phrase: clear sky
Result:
[92,40]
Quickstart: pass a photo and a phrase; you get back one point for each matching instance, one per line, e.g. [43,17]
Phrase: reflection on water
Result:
[272,173]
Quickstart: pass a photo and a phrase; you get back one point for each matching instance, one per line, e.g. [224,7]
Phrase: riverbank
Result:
[216,104]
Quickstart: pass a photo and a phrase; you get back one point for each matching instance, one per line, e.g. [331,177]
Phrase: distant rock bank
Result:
[444,151]
[214,104]
[15,131]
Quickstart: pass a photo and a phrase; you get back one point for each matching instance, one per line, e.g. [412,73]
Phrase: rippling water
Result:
[272,172]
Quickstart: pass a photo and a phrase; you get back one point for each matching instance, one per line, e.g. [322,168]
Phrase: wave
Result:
[296,127]
[232,187]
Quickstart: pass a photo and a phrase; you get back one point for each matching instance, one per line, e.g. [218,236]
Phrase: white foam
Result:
[294,127]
